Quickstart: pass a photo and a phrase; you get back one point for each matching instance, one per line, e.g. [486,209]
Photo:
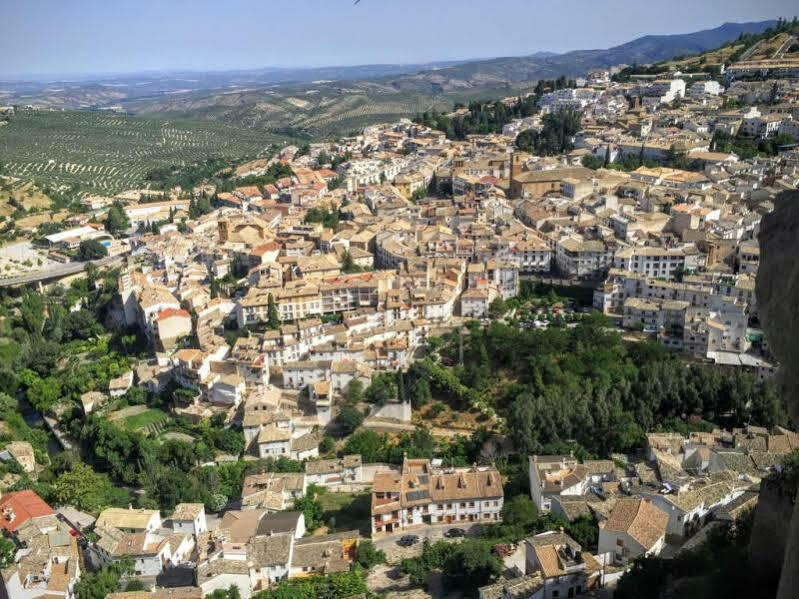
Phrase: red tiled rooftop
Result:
[25,506]
[170,312]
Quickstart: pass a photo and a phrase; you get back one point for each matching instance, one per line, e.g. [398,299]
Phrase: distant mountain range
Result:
[327,99]
[542,65]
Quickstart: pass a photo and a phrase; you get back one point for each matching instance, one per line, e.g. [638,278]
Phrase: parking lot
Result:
[396,553]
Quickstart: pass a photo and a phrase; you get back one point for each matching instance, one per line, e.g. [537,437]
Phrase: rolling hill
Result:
[179,118]
[331,107]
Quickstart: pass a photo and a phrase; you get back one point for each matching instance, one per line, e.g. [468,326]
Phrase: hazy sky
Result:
[93,36]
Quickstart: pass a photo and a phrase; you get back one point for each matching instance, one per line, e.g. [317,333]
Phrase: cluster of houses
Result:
[427,230]
[187,552]
[268,309]
[640,503]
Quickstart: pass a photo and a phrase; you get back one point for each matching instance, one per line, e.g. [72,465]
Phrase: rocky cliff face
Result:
[770,531]
[778,305]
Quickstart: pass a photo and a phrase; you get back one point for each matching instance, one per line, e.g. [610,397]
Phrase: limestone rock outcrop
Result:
[777,295]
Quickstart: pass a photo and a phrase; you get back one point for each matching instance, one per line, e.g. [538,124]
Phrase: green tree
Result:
[327,444]
[383,388]
[91,249]
[354,392]
[311,508]
[116,220]
[369,444]
[31,310]
[232,592]
[473,564]
[348,420]
[98,585]
[272,315]
[556,135]
[592,161]
[322,159]
[81,324]
[497,307]
[84,488]
[347,263]
[519,511]
[368,555]
[44,393]
[7,552]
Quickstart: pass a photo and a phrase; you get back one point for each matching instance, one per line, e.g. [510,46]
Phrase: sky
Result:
[109,36]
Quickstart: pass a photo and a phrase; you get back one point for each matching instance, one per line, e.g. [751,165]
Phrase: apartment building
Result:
[659,262]
[421,494]
[582,259]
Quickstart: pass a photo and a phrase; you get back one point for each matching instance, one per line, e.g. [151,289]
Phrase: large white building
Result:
[421,494]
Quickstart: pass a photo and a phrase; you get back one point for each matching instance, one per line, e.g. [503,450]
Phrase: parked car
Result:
[408,540]
[453,533]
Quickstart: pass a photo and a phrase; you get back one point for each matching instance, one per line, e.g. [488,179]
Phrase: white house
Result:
[635,528]
[189,518]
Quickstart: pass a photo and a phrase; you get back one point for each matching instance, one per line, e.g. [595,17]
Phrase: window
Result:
[619,542]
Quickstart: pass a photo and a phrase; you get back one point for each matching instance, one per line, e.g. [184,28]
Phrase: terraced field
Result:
[149,421]
[107,153]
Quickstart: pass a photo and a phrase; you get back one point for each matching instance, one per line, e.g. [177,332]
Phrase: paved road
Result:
[395,553]
[56,272]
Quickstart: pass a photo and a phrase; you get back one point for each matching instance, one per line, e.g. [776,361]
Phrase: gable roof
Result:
[23,506]
[640,519]
[116,517]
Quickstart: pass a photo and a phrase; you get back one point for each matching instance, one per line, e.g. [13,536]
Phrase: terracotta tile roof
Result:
[24,505]
[547,557]
[170,312]
[640,519]
[126,518]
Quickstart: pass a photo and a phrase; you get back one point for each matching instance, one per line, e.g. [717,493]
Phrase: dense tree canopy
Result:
[331,586]
[116,220]
[585,383]
[555,137]
[91,249]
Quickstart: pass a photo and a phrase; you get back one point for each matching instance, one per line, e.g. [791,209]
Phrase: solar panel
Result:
[417,495]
